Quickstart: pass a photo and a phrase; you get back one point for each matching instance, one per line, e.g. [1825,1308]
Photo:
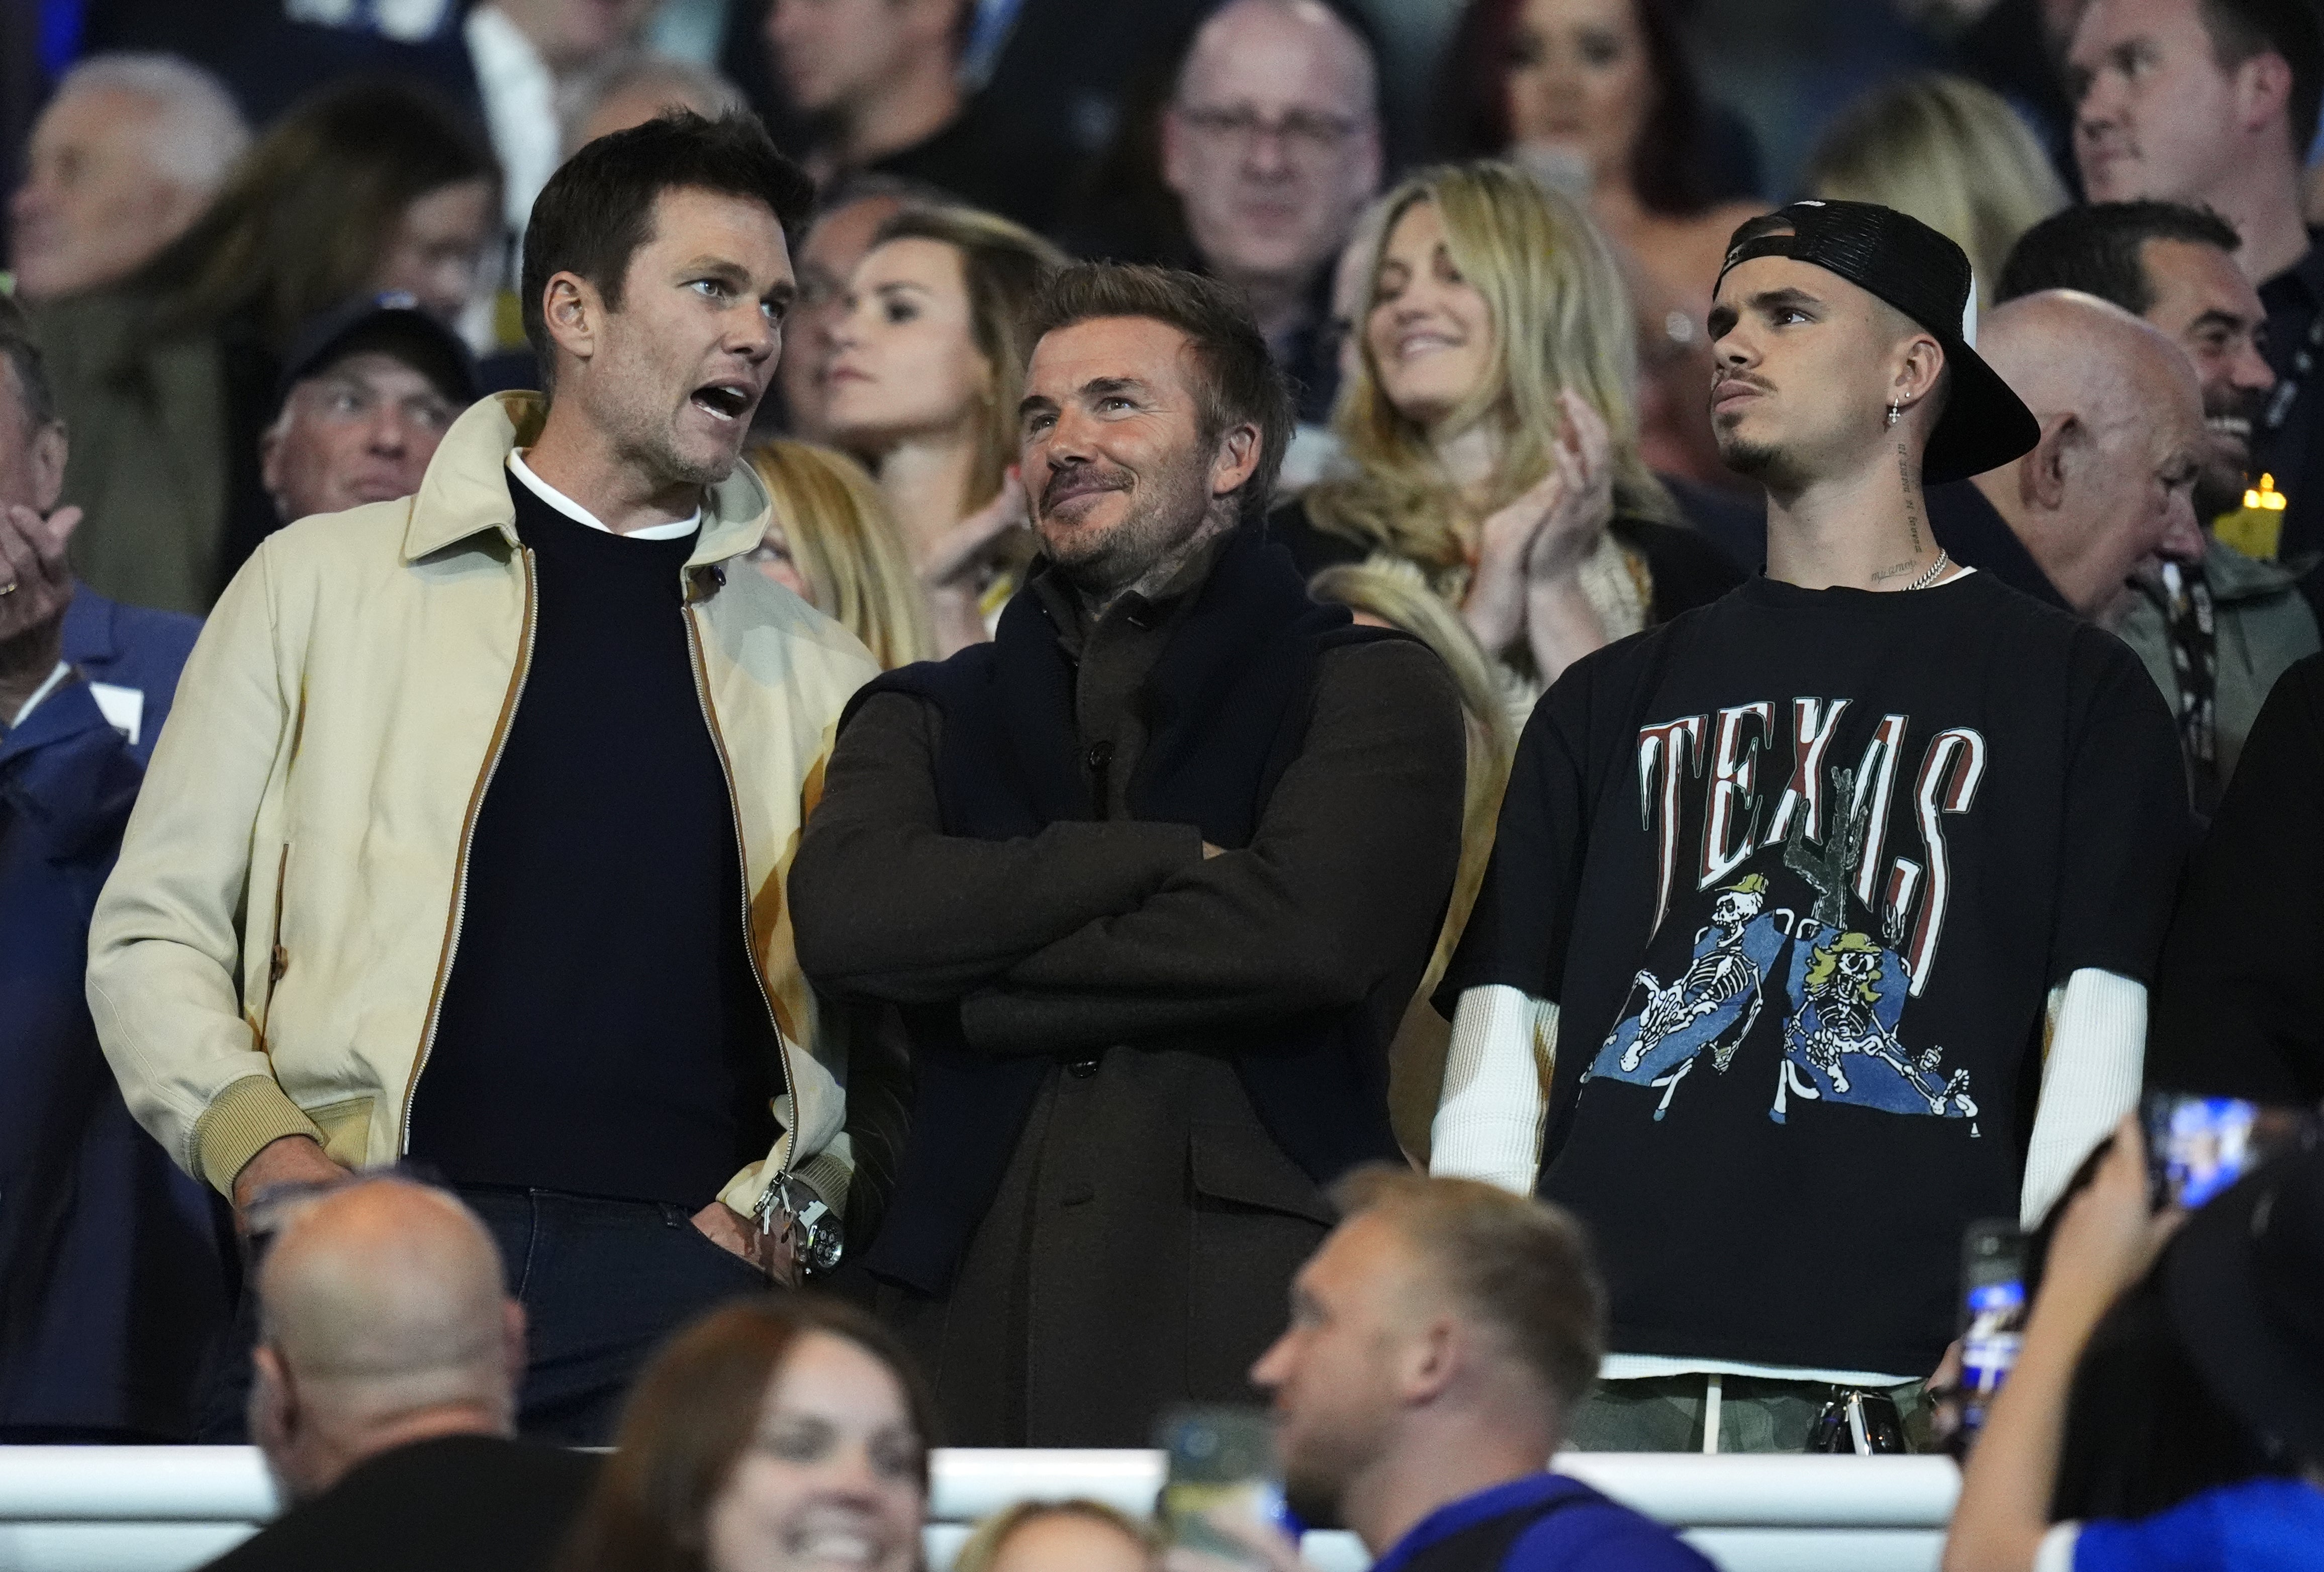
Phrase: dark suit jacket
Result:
[458,1503]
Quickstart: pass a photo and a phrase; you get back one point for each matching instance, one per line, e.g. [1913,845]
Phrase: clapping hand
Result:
[1541,538]
[1577,497]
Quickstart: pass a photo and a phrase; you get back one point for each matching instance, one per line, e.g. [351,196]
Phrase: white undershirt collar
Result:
[574,510]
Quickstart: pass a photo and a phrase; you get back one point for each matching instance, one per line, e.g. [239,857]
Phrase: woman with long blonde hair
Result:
[1490,430]
[1390,594]
[926,369]
[1948,152]
[830,541]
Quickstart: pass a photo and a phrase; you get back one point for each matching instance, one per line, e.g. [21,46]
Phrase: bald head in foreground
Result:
[383,1393]
[2108,491]
[382,1319]
[1438,1340]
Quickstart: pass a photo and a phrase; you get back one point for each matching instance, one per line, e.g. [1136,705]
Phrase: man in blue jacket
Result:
[109,1272]
[1438,1342]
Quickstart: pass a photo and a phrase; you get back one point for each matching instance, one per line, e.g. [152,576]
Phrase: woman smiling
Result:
[1491,428]
[776,1435]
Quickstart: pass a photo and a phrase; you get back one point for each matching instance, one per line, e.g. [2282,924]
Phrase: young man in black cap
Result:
[1855,843]
[367,392]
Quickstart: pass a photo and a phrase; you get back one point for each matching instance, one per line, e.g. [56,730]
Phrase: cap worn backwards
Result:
[1902,261]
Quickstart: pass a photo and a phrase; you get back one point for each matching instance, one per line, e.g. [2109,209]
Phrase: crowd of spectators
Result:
[768,732]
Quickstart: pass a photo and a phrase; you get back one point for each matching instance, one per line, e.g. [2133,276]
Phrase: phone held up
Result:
[1220,1459]
[2196,1146]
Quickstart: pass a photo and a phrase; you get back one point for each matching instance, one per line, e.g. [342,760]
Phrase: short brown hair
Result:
[691,1415]
[1239,382]
[1521,1265]
[597,209]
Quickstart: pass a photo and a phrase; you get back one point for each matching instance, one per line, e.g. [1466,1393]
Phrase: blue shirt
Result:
[1589,1531]
[2261,1525]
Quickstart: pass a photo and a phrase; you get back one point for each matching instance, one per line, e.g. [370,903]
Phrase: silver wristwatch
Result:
[790,1207]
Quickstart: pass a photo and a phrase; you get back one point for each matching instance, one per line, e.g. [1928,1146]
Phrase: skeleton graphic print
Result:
[1836,1032]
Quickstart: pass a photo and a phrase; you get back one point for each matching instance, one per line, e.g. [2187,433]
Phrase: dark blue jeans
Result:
[603,1282]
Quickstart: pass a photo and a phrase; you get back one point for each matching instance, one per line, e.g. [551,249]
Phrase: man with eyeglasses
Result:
[367,393]
[1271,144]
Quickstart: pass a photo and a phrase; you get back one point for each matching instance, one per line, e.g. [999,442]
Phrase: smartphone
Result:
[2196,1146]
[1219,1457]
[1993,1316]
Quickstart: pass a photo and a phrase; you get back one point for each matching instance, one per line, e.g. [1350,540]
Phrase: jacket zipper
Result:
[743,868]
[467,841]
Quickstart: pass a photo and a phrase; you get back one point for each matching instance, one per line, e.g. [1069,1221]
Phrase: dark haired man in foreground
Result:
[1800,887]
[469,845]
[1153,876]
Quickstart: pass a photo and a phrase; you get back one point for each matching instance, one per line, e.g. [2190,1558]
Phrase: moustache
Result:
[1081,478]
[1723,382]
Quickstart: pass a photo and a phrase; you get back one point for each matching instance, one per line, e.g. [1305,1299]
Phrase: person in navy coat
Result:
[111,1288]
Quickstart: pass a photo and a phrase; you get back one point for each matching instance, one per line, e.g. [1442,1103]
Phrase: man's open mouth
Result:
[724,401]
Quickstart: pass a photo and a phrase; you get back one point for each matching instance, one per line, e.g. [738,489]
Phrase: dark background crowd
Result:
[266,258]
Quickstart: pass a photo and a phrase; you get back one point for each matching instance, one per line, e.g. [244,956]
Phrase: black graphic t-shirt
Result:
[1800,870]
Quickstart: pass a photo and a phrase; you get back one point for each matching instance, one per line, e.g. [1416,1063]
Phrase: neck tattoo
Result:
[1911,494]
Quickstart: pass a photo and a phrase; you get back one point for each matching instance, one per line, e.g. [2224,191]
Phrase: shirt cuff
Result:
[1490,1116]
[2098,1050]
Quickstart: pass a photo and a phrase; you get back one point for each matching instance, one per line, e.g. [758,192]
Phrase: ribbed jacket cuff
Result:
[829,1175]
[240,1122]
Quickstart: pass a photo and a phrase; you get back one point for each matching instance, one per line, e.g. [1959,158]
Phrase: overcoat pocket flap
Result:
[1242,1165]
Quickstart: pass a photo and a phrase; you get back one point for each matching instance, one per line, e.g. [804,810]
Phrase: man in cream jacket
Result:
[467,844]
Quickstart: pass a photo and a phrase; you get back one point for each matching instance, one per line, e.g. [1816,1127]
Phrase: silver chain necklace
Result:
[1936,571]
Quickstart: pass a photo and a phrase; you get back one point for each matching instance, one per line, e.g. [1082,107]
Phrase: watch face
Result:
[819,1251]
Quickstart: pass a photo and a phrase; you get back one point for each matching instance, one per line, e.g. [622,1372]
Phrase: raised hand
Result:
[1579,503]
[961,559]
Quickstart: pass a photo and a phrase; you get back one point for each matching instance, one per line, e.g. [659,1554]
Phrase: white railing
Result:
[167,1509]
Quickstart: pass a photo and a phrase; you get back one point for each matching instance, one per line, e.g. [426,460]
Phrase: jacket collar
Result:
[465,492]
[88,634]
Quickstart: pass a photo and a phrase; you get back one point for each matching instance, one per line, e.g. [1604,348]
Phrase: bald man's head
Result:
[2106,492]
[384,1317]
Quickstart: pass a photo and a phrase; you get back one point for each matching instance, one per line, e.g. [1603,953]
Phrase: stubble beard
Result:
[1151,536]
[1759,461]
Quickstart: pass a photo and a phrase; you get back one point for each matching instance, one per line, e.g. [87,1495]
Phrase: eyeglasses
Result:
[1305,135]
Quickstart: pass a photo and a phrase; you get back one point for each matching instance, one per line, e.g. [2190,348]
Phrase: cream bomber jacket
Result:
[270,954]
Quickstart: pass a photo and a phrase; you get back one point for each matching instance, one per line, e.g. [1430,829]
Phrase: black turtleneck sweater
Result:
[601,1032]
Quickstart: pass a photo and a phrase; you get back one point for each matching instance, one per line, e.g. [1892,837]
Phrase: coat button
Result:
[1082,1067]
[1100,754]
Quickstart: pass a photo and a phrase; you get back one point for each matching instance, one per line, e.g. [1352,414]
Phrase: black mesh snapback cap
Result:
[1926,276]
